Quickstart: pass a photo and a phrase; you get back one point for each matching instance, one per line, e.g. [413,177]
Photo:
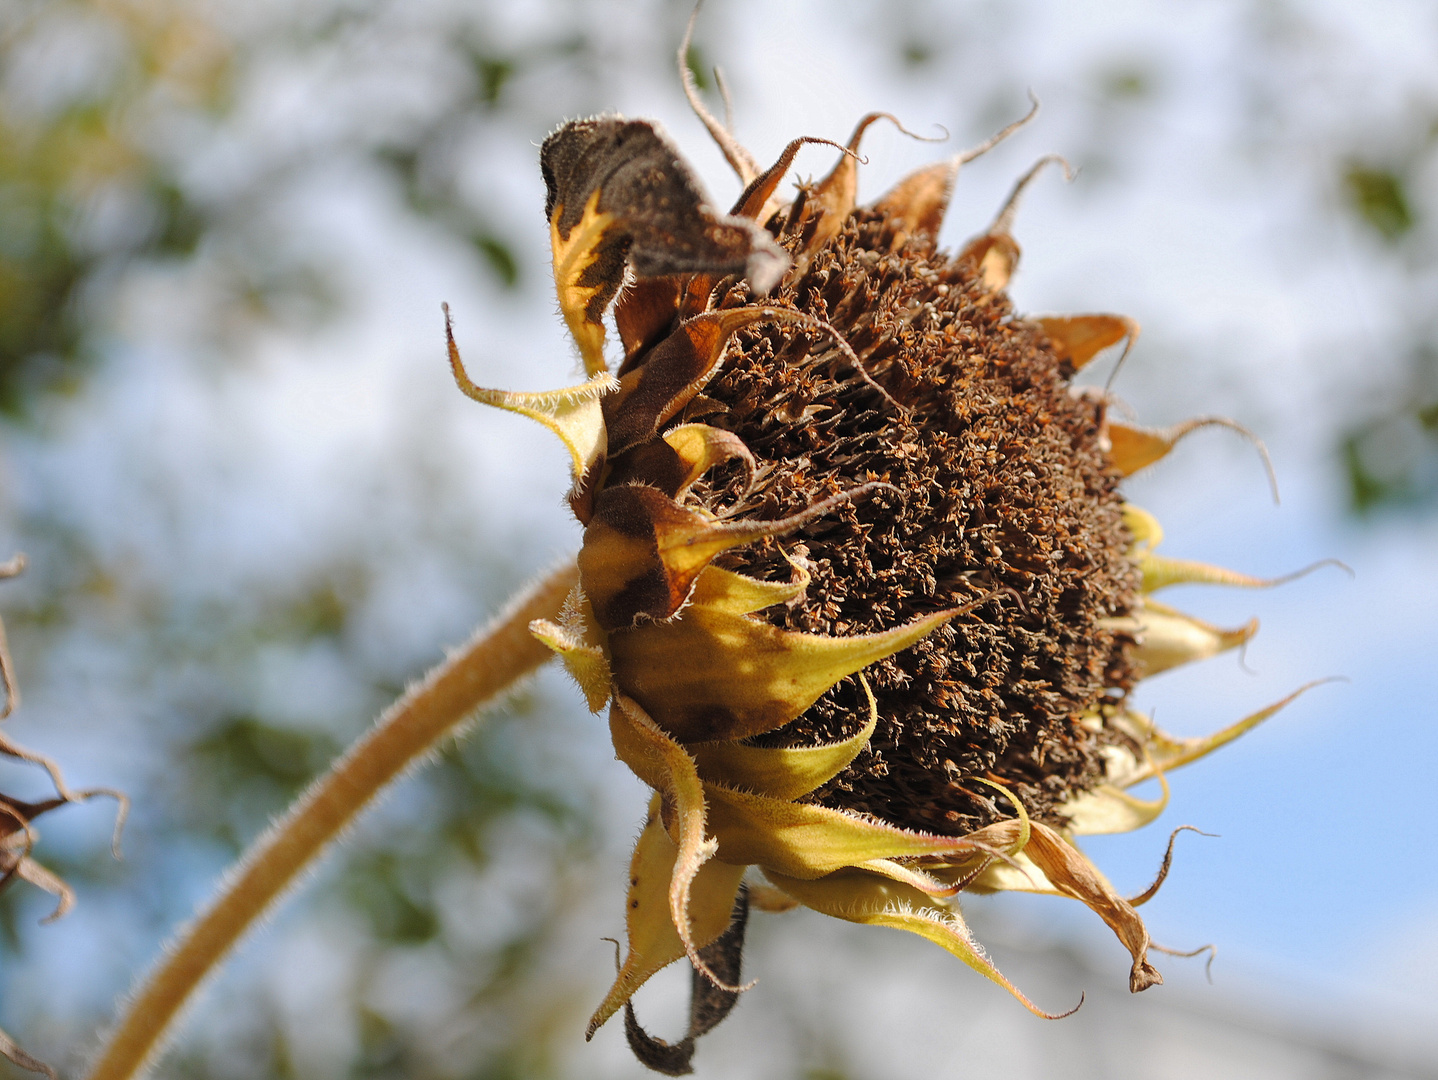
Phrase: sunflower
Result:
[858,588]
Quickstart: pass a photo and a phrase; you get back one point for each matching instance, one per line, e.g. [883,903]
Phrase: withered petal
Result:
[756,201]
[671,375]
[776,772]
[806,841]
[645,313]
[1167,638]
[1072,873]
[708,1004]
[1132,448]
[619,193]
[643,551]
[917,203]
[862,897]
[654,943]
[11,1051]
[830,202]
[711,675]
[1077,339]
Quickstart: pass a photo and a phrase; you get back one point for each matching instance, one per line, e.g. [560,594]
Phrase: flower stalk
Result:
[494,659]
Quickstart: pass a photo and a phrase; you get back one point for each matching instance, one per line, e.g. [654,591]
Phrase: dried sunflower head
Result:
[858,587]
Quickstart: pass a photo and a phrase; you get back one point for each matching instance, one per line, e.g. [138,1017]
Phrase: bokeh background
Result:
[255,506]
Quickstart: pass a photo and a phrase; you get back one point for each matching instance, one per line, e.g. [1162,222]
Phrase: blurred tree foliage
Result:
[104,102]
[82,189]
[1391,451]
[1365,143]
[109,111]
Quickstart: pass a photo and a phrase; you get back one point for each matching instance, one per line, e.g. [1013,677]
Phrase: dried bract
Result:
[17,817]
[858,586]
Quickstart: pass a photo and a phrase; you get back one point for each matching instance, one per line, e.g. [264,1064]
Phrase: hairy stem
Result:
[493,660]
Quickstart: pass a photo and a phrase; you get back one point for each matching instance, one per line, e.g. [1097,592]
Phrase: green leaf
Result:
[500,258]
[493,72]
[1378,197]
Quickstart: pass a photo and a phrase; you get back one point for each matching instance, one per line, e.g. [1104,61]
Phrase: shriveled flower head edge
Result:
[18,835]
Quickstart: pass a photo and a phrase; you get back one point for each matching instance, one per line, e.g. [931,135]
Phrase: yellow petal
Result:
[710,674]
[1021,874]
[860,897]
[807,841]
[1147,533]
[1159,572]
[583,293]
[653,941]
[1169,752]
[723,590]
[1167,638]
[701,447]
[1108,808]
[996,835]
[574,414]
[663,764]
[911,876]
[577,641]
[764,897]
[1077,339]
[585,663]
[781,773]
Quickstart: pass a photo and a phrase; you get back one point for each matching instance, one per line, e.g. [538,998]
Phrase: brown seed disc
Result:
[1000,484]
